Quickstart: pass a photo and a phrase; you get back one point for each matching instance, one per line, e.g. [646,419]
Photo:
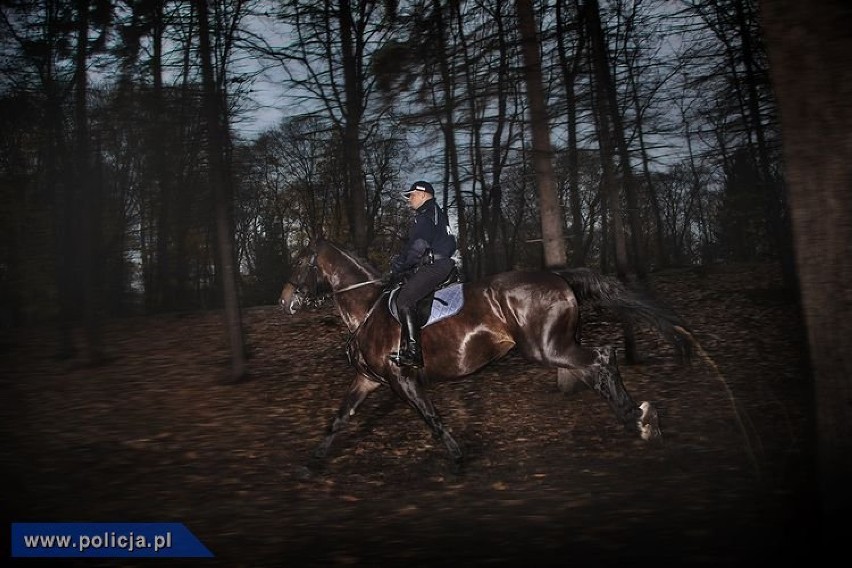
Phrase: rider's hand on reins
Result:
[389,278]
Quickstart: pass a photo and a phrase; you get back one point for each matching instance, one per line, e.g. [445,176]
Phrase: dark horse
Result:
[535,312]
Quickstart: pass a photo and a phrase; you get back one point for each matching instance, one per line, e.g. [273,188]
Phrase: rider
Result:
[428,252]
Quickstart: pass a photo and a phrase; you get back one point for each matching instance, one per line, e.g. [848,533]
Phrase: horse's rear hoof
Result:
[321,452]
[649,422]
[303,473]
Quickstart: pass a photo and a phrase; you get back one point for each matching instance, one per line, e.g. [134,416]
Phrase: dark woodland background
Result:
[698,144]
[110,177]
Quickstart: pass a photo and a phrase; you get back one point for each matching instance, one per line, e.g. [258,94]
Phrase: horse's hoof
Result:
[649,422]
[303,473]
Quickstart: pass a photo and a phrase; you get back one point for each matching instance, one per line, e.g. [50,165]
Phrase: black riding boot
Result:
[410,354]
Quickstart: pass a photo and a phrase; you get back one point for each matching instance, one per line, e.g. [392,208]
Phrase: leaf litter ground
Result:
[156,435]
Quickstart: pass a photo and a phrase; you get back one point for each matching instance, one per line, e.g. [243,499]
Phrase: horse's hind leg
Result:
[359,389]
[604,378]
[408,388]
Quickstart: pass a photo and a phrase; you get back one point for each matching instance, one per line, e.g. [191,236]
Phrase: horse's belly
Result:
[455,357]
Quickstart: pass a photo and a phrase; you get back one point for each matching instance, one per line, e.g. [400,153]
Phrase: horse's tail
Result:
[609,292]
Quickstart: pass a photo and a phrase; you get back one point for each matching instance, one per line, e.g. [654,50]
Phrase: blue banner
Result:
[105,540]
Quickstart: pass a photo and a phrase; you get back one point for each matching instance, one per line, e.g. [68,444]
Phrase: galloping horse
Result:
[535,312]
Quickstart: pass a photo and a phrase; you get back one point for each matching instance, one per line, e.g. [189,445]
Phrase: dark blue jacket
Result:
[430,229]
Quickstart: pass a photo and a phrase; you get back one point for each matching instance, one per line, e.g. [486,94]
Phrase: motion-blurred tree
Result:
[219,176]
[811,68]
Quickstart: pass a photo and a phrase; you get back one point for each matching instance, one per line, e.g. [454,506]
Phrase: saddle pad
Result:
[448,302]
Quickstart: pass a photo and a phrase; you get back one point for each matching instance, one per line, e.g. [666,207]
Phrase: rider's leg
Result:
[410,355]
[418,286]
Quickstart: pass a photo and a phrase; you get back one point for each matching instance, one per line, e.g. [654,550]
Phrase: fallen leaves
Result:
[155,435]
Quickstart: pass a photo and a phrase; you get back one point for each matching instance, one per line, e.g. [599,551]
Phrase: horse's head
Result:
[325,270]
[303,286]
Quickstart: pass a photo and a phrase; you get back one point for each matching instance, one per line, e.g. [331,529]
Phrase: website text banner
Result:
[105,540]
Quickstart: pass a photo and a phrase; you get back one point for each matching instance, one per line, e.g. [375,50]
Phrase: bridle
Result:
[301,285]
[306,291]
[303,294]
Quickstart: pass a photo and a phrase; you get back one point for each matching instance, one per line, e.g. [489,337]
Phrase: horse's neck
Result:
[356,308]
[343,272]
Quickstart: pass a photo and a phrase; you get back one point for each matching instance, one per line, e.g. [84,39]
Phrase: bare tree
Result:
[443,96]
[809,47]
[352,52]
[727,72]
[328,65]
[569,65]
[551,214]
[45,73]
[87,189]
[219,173]
[614,143]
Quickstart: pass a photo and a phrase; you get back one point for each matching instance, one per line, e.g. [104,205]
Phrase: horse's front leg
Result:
[408,388]
[359,389]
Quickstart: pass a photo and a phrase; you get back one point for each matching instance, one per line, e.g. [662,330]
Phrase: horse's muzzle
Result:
[292,306]
[290,300]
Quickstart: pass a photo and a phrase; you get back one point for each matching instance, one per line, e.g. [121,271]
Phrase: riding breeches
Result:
[424,281]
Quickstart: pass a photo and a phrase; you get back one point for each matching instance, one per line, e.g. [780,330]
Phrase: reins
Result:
[353,334]
[356,286]
[312,264]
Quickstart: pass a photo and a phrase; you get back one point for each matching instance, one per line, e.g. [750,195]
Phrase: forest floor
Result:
[157,435]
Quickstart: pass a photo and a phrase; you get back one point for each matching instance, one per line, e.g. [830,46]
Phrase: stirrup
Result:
[404,359]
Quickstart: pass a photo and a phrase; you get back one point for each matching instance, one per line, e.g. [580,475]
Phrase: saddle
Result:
[444,301]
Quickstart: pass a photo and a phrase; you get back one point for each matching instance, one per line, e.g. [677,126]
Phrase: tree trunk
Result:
[473,236]
[495,257]
[653,198]
[448,130]
[777,229]
[53,156]
[551,215]
[696,186]
[165,291]
[89,223]
[809,46]
[569,76]
[218,172]
[608,134]
[351,131]
[607,93]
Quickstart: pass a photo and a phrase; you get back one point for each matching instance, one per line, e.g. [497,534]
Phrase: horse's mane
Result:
[360,261]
